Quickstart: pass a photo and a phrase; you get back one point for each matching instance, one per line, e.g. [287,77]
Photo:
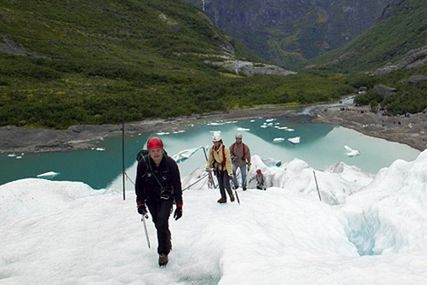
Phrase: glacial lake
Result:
[320,145]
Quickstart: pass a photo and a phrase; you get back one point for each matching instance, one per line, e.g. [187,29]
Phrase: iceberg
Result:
[295,140]
[278,140]
[49,174]
[162,133]
[351,152]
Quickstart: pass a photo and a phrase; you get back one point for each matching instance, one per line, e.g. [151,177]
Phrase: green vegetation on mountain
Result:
[402,30]
[72,62]
[391,51]
[410,95]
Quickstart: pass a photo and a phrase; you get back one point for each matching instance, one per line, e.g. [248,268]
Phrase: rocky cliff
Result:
[287,32]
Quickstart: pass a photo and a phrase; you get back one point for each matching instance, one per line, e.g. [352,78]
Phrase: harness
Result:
[164,193]
[234,148]
[223,156]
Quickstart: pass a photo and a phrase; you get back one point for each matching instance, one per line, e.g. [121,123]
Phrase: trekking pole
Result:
[237,196]
[123,158]
[210,177]
[317,186]
[235,191]
[145,228]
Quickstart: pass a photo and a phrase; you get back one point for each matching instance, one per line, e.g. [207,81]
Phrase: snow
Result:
[277,140]
[367,230]
[185,154]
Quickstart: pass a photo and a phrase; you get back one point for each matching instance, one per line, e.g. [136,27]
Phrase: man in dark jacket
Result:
[158,185]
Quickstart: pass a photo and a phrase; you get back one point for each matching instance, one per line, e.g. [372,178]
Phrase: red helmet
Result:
[258,171]
[154,142]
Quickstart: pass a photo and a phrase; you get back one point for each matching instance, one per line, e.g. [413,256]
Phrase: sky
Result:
[366,230]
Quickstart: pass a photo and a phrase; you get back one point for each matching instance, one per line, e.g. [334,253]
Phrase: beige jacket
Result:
[215,159]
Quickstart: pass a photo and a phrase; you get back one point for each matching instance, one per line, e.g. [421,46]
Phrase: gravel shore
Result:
[14,139]
[408,130]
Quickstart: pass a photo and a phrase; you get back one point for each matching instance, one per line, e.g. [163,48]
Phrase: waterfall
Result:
[203,5]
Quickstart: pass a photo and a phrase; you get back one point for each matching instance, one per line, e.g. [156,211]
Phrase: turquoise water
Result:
[320,146]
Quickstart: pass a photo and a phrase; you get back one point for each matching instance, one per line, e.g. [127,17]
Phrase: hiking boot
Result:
[222,200]
[163,259]
[244,188]
[232,197]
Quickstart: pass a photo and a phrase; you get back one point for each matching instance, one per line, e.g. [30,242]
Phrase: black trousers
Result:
[224,183]
[160,211]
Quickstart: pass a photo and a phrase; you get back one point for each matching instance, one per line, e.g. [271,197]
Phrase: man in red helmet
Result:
[157,186]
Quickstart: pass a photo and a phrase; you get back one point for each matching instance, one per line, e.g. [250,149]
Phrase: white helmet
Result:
[216,137]
[239,136]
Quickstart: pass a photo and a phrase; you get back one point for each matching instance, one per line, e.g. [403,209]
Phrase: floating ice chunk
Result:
[270,120]
[295,140]
[162,133]
[252,121]
[19,157]
[100,149]
[278,139]
[11,155]
[49,174]
[243,130]
[281,128]
[184,154]
[264,126]
[216,124]
[179,132]
[351,152]
[290,130]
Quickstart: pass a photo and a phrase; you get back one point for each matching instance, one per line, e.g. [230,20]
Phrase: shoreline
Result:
[410,130]
[407,130]
[79,137]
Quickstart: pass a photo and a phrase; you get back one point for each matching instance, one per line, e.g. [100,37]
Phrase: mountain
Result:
[399,38]
[64,63]
[288,32]
[394,54]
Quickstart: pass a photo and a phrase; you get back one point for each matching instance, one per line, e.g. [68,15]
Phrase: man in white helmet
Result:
[241,158]
[220,161]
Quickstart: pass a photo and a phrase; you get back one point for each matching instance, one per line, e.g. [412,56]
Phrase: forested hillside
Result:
[73,62]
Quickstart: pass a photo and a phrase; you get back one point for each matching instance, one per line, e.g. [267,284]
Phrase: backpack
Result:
[234,148]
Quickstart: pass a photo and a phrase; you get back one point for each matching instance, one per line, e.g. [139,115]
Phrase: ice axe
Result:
[145,228]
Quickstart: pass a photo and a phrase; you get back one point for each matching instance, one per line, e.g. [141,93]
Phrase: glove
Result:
[142,210]
[249,166]
[178,214]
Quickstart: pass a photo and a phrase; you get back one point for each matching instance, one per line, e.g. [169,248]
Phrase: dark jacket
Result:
[168,183]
